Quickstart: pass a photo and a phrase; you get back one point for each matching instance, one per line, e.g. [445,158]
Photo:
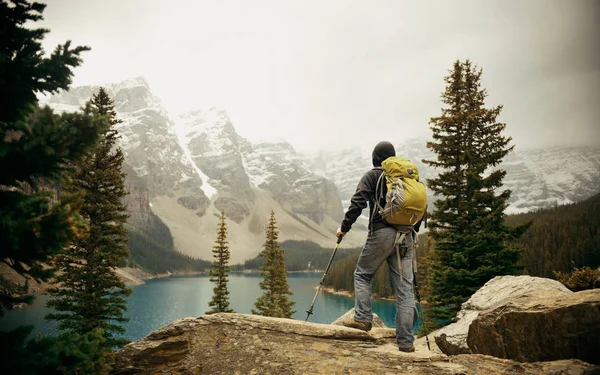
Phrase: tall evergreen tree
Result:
[274,302]
[35,147]
[472,243]
[90,295]
[220,270]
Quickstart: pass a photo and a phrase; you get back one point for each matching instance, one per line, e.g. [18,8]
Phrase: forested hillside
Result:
[151,249]
[561,238]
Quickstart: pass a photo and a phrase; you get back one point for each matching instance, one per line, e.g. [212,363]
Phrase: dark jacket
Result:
[365,193]
[365,196]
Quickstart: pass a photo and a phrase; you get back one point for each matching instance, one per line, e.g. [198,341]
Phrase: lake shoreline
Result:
[172,297]
[330,290]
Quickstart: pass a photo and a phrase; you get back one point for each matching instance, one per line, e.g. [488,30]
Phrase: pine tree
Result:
[274,302]
[36,145]
[472,244]
[90,295]
[220,270]
[69,353]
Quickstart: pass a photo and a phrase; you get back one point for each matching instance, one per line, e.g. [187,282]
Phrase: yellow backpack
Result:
[406,198]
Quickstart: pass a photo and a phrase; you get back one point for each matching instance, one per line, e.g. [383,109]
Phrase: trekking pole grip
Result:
[340,239]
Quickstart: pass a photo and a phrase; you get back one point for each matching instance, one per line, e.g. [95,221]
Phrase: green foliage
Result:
[220,270]
[580,278]
[472,243]
[88,353]
[274,302]
[25,70]
[35,147]
[561,238]
[70,353]
[298,254]
[27,357]
[89,294]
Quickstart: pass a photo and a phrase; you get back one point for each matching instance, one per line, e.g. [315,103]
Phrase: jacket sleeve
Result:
[358,202]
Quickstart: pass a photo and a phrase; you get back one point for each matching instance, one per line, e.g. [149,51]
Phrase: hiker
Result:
[379,246]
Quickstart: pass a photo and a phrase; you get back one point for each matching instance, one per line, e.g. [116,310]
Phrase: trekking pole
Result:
[310,310]
[420,310]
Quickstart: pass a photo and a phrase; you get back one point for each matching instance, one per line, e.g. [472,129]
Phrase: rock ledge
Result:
[250,344]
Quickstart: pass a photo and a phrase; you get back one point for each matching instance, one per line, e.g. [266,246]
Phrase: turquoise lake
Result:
[161,301]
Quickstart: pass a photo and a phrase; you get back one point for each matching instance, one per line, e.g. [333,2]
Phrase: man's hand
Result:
[340,233]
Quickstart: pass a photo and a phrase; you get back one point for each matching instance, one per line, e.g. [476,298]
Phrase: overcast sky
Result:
[329,74]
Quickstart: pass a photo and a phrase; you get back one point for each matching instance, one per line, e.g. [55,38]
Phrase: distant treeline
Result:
[151,249]
[298,256]
[559,239]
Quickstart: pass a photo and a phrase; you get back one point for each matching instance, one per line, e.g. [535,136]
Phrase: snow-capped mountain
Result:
[537,179]
[146,134]
[190,168]
[550,177]
[213,146]
[236,168]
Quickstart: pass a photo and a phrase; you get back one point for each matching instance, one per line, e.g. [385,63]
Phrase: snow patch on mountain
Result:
[266,160]
[211,125]
[182,130]
[146,135]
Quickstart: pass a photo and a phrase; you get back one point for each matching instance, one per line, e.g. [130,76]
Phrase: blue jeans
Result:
[380,247]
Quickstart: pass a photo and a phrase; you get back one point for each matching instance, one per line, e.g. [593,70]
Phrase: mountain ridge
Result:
[196,165]
[538,178]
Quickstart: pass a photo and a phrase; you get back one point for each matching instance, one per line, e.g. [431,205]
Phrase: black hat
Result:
[382,151]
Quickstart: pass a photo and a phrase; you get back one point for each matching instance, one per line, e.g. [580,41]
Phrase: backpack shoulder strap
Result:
[379,189]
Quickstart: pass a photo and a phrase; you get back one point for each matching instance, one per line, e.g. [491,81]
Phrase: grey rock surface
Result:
[452,339]
[542,325]
[235,209]
[249,344]
[277,168]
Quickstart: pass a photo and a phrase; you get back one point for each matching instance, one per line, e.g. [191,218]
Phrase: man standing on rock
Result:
[381,245]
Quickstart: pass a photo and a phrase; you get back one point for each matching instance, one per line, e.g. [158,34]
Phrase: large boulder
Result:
[541,326]
[377,322]
[452,339]
[250,344]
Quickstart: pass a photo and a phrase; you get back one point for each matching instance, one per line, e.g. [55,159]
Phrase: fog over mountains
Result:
[187,169]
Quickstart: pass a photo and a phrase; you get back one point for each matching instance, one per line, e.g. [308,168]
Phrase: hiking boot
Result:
[407,350]
[363,326]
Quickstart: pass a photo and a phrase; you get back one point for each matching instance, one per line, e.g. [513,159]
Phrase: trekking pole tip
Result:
[308,314]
